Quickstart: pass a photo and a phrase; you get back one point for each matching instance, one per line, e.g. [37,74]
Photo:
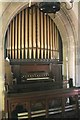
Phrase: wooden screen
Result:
[32,35]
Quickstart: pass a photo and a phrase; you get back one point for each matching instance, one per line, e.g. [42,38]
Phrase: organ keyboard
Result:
[33,82]
[34,77]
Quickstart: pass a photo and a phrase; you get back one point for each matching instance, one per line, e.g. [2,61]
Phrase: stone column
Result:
[1,69]
[78,50]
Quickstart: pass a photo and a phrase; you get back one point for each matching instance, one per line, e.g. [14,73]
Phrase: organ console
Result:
[31,76]
[34,77]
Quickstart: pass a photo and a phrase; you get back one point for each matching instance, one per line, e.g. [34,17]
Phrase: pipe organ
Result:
[32,35]
[34,47]
[33,38]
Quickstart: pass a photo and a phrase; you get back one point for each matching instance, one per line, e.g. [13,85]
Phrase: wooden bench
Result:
[40,103]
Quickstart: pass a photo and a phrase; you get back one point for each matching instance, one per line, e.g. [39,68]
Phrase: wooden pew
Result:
[31,101]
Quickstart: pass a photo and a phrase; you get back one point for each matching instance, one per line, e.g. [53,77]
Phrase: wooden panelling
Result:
[42,100]
[17,69]
[34,68]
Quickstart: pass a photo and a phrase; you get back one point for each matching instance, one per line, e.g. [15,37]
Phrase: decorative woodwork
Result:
[41,99]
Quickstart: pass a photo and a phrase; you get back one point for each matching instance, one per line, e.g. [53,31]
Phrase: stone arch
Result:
[65,23]
[64,20]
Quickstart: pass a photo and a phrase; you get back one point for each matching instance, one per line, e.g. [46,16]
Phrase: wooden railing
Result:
[43,103]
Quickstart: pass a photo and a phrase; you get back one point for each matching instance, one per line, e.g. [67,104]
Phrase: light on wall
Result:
[53,7]
[49,7]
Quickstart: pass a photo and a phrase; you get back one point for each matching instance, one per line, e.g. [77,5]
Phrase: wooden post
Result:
[29,110]
[63,107]
[47,108]
[77,106]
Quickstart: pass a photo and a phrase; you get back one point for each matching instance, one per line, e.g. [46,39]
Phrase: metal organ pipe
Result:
[32,35]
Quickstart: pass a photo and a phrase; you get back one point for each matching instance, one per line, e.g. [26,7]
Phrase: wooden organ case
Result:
[34,47]
[35,77]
